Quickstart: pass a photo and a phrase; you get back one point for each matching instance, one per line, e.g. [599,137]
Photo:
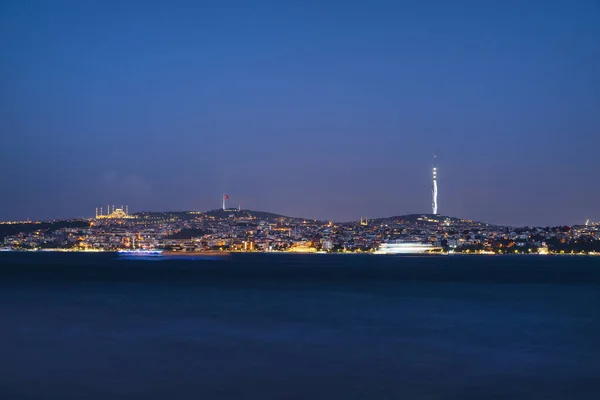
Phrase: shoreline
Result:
[228,253]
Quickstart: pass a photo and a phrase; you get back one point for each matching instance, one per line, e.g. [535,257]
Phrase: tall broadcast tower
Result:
[434,190]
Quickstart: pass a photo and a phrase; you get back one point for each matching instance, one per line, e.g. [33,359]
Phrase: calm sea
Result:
[94,326]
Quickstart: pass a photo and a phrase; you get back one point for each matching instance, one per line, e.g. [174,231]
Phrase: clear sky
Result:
[324,109]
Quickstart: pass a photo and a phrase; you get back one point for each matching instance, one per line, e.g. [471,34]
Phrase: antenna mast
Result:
[434,189]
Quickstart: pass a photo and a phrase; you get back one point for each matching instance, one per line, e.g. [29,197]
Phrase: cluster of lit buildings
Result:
[236,230]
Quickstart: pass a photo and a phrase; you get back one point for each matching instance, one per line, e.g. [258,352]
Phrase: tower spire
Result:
[434,189]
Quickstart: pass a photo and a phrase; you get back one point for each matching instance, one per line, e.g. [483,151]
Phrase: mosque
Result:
[116,213]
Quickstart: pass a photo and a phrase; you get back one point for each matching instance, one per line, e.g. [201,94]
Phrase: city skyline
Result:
[123,211]
[310,110]
[235,230]
[225,197]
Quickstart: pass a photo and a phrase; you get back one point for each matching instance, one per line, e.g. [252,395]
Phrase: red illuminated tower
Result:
[225,197]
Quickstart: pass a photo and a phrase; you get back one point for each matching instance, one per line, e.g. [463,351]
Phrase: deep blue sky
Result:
[324,109]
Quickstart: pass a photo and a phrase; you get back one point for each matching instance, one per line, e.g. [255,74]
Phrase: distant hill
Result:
[423,219]
[220,213]
[13,229]
[263,215]
[178,215]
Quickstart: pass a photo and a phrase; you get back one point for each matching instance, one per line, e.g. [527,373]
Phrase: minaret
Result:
[127,210]
[434,189]
[96,212]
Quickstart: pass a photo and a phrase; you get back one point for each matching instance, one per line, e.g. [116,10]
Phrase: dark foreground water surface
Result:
[81,326]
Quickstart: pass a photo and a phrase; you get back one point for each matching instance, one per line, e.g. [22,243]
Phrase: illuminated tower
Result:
[225,197]
[434,190]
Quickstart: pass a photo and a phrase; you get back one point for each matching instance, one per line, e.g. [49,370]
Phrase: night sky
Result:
[324,109]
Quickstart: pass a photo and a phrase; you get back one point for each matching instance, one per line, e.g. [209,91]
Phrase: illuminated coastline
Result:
[246,231]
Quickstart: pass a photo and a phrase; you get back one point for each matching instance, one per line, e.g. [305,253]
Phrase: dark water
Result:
[79,326]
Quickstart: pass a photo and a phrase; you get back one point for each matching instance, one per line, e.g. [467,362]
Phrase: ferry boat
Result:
[139,252]
[408,247]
